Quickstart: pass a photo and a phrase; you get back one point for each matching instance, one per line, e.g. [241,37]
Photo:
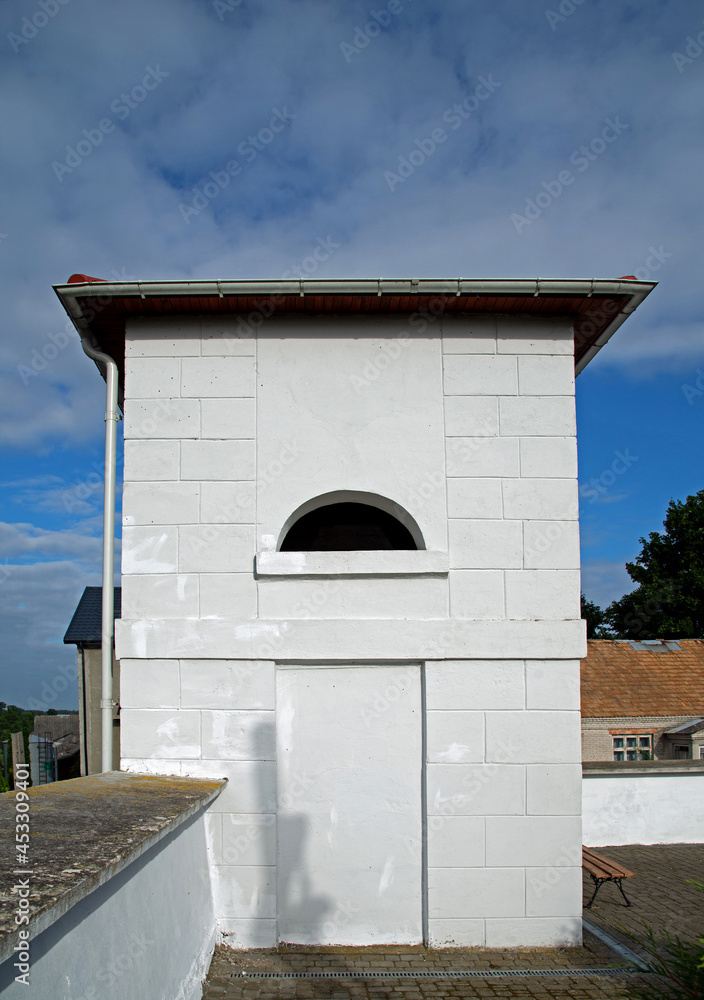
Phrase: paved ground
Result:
[660,895]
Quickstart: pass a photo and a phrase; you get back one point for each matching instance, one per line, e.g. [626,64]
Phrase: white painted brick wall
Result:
[477,593]
[549,457]
[151,461]
[503,772]
[474,498]
[480,375]
[218,460]
[537,415]
[172,503]
[223,377]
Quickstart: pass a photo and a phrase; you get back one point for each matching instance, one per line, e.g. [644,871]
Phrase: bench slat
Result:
[601,867]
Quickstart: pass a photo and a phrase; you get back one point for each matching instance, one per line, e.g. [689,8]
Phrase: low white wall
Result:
[650,807]
[148,932]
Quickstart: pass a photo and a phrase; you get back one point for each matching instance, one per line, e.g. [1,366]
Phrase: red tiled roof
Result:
[618,680]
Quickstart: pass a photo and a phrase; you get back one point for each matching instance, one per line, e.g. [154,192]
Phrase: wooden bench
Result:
[602,870]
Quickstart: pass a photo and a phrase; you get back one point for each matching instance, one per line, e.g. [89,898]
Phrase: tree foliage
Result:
[595,618]
[668,602]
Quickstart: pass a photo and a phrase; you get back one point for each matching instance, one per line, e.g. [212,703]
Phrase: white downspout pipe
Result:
[108,629]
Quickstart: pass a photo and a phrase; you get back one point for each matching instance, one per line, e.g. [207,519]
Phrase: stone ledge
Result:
[83,832]
[649,768]
[353,563]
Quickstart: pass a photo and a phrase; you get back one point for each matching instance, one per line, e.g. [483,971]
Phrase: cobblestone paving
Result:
[221,985]
[660,894]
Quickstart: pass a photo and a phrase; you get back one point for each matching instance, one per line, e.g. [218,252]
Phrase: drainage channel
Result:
[440,974]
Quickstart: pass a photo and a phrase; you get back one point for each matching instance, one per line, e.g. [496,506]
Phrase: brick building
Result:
[643,700]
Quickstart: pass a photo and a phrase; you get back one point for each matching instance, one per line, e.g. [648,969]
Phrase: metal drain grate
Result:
[440,974]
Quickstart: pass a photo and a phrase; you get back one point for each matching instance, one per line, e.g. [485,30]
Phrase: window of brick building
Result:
[633,747]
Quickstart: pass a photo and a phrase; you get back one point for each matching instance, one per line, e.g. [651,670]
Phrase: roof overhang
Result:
[596,307]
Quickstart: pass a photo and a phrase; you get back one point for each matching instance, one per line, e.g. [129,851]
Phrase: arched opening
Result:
[342,522]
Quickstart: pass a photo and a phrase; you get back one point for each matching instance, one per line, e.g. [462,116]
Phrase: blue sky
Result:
[192,138]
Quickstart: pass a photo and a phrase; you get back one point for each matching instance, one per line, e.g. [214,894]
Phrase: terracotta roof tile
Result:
[618,680]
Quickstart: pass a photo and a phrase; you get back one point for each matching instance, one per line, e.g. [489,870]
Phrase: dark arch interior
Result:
[340,527]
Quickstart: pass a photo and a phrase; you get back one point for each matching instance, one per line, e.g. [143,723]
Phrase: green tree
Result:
[668,602]
[594,616]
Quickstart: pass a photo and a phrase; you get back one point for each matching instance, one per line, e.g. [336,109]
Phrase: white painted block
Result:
[485,544]
[475,892]
[228,418]
[152,549]
[551,544]
[533,737]
[248,839]
[553,789]
[471,416]
[456,842]
[228,595]
[479,375]
[456,933]
[455,737]
[475,684]
[217,460]
[474,498]
[549,457]
[150,765]
[546,376]
[241,935]
[216,548]
[146,378]
[346,641]
[481,457]
[468,334]
[537,499]
[238,735]
[162,418]
[213,835]
[251,784]
[170,337]
[151,461]
[245,892]
[228,377]
[151,733]
[552,684]
[151,597]
[554,891]
[529,335]
[227,503]
[542,593]
[535,932]
[537,415]
[353,597]
[476,593]
[225,336]
[476,790]
[165,503]
[520,841]
[149,684]
[227,684]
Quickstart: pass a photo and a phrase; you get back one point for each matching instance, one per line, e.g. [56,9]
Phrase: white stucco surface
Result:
[467,430]
[647,808]
[148,932]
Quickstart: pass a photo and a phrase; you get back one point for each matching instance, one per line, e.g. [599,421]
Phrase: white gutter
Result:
[354,286]
[108,606]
